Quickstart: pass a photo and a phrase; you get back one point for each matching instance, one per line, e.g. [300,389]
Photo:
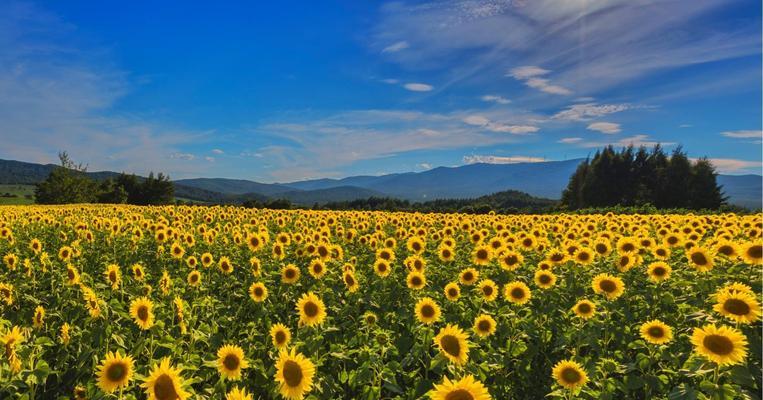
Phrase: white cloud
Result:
[395,47]
[391,81]
[495,99]
[218,151]
[731,165]
[587,111]
[182,156]
[530,76]
[425,166]
[605,127]
[568,140]
[485,159]
[476,120]
[744,134]
[527,72]
[418,87]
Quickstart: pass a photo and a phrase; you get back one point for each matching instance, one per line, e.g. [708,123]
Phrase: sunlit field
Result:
[224,302]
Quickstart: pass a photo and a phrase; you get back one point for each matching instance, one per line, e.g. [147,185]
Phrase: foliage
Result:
[394,356]
[638,177]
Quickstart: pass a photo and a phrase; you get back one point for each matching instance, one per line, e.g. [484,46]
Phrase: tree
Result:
[109,191]
[704,192]
[67,183]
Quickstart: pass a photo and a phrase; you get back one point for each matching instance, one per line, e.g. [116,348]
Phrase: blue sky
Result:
[282,91]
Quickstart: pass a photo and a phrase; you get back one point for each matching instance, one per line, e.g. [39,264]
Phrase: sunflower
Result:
[39,317]
[370,318]
[177,251]
[658,271]
[290,274]
[517,292]
[752,253]
[453,344]
[64,334]
[544,279]
[627,245]
[584,309]
[141,310]
[72,275]
[350,281]
[255,265]
[446,254]
[65,253]
[468,276]
[113,275]
[258,292]
[254,242]
[467,388]
[611,286]
[114,372]
[225,265]
[727,249]
[35,246]
[416,280]
[317,268]
[741,307]
[415,244]
[165,382]
[280,335]
[700,258]
[656,332]
[583,256]
[452,291]
[602,247]
[484,325]
[569,374]
[427,311]
[624,262]
[6,293]
[230,362]
[294,374]
[194,278]
[489,289]
[661,252]
[311,310]
[191,262]
[238,394]
[723,346]
[207,260]
[382,267]
[482,255]
[137,272]
[415,263]
[557,256]
[511,260]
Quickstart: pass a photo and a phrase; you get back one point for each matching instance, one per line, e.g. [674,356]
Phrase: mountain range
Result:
[540,179]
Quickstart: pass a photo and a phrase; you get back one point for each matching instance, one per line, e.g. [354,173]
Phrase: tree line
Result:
[639,177]
[69,183]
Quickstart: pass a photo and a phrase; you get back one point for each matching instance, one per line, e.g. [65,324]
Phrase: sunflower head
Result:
[294,374]
[610,286]
[230,362]
[468,276]
[739,306]
[115,372]
[544,279]
[453,344]
[584,309]
[258,292]
[721,345]
[290,274]
[656,332]
[452,291]
[311,310]
[517,292]
[488,289]
[484,325]
[280,335]
[569,374]
[416,280]
[427,311]
[467,388]
[164,382]
[141,310]
[659,271]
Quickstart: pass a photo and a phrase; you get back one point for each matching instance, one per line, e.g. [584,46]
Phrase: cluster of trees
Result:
[70,183]
[640,177]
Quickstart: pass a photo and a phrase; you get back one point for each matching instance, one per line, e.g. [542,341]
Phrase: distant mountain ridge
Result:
[542,179]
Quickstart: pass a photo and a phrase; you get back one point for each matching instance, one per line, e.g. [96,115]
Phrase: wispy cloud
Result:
[744,134]
[218,151]
[495,99]
[569,140]
[493,126]
[604,127]
[395,47]
[732,165]
[418,87]
[531,74]
[486,159]
[183,156]
[587,111]
[635,140]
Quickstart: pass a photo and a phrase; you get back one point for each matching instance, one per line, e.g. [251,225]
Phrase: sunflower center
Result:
[659,271]
[70,274]
[258,291]
[311,309]
[451,345]
[487,290]
[556,257]
[164,388]
[459,394]
[584,308]
[289,274]
[231,362]
[446,253]
[755,251]
[143,313]
[468,276]
[112,276]
[571,375]
[416,281]
[483,325]
[518,293]
[544,279]
[382,267]
[736,307]
[427,311]
[116,372]
[608,286]
[656,332]
[511,260]
[726,250]
[194,278]
[349,280]
[583,256]
[698,258]
[601,248]
[628,247]
[718,344]
[292,373]
[280,337]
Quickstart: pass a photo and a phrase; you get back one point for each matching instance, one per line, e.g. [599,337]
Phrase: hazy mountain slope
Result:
[234,186]
[743,190]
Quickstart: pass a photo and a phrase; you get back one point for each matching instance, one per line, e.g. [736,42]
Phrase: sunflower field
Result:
[182,302]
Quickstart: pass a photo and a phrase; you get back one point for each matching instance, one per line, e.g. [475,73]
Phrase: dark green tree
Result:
[67,183]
